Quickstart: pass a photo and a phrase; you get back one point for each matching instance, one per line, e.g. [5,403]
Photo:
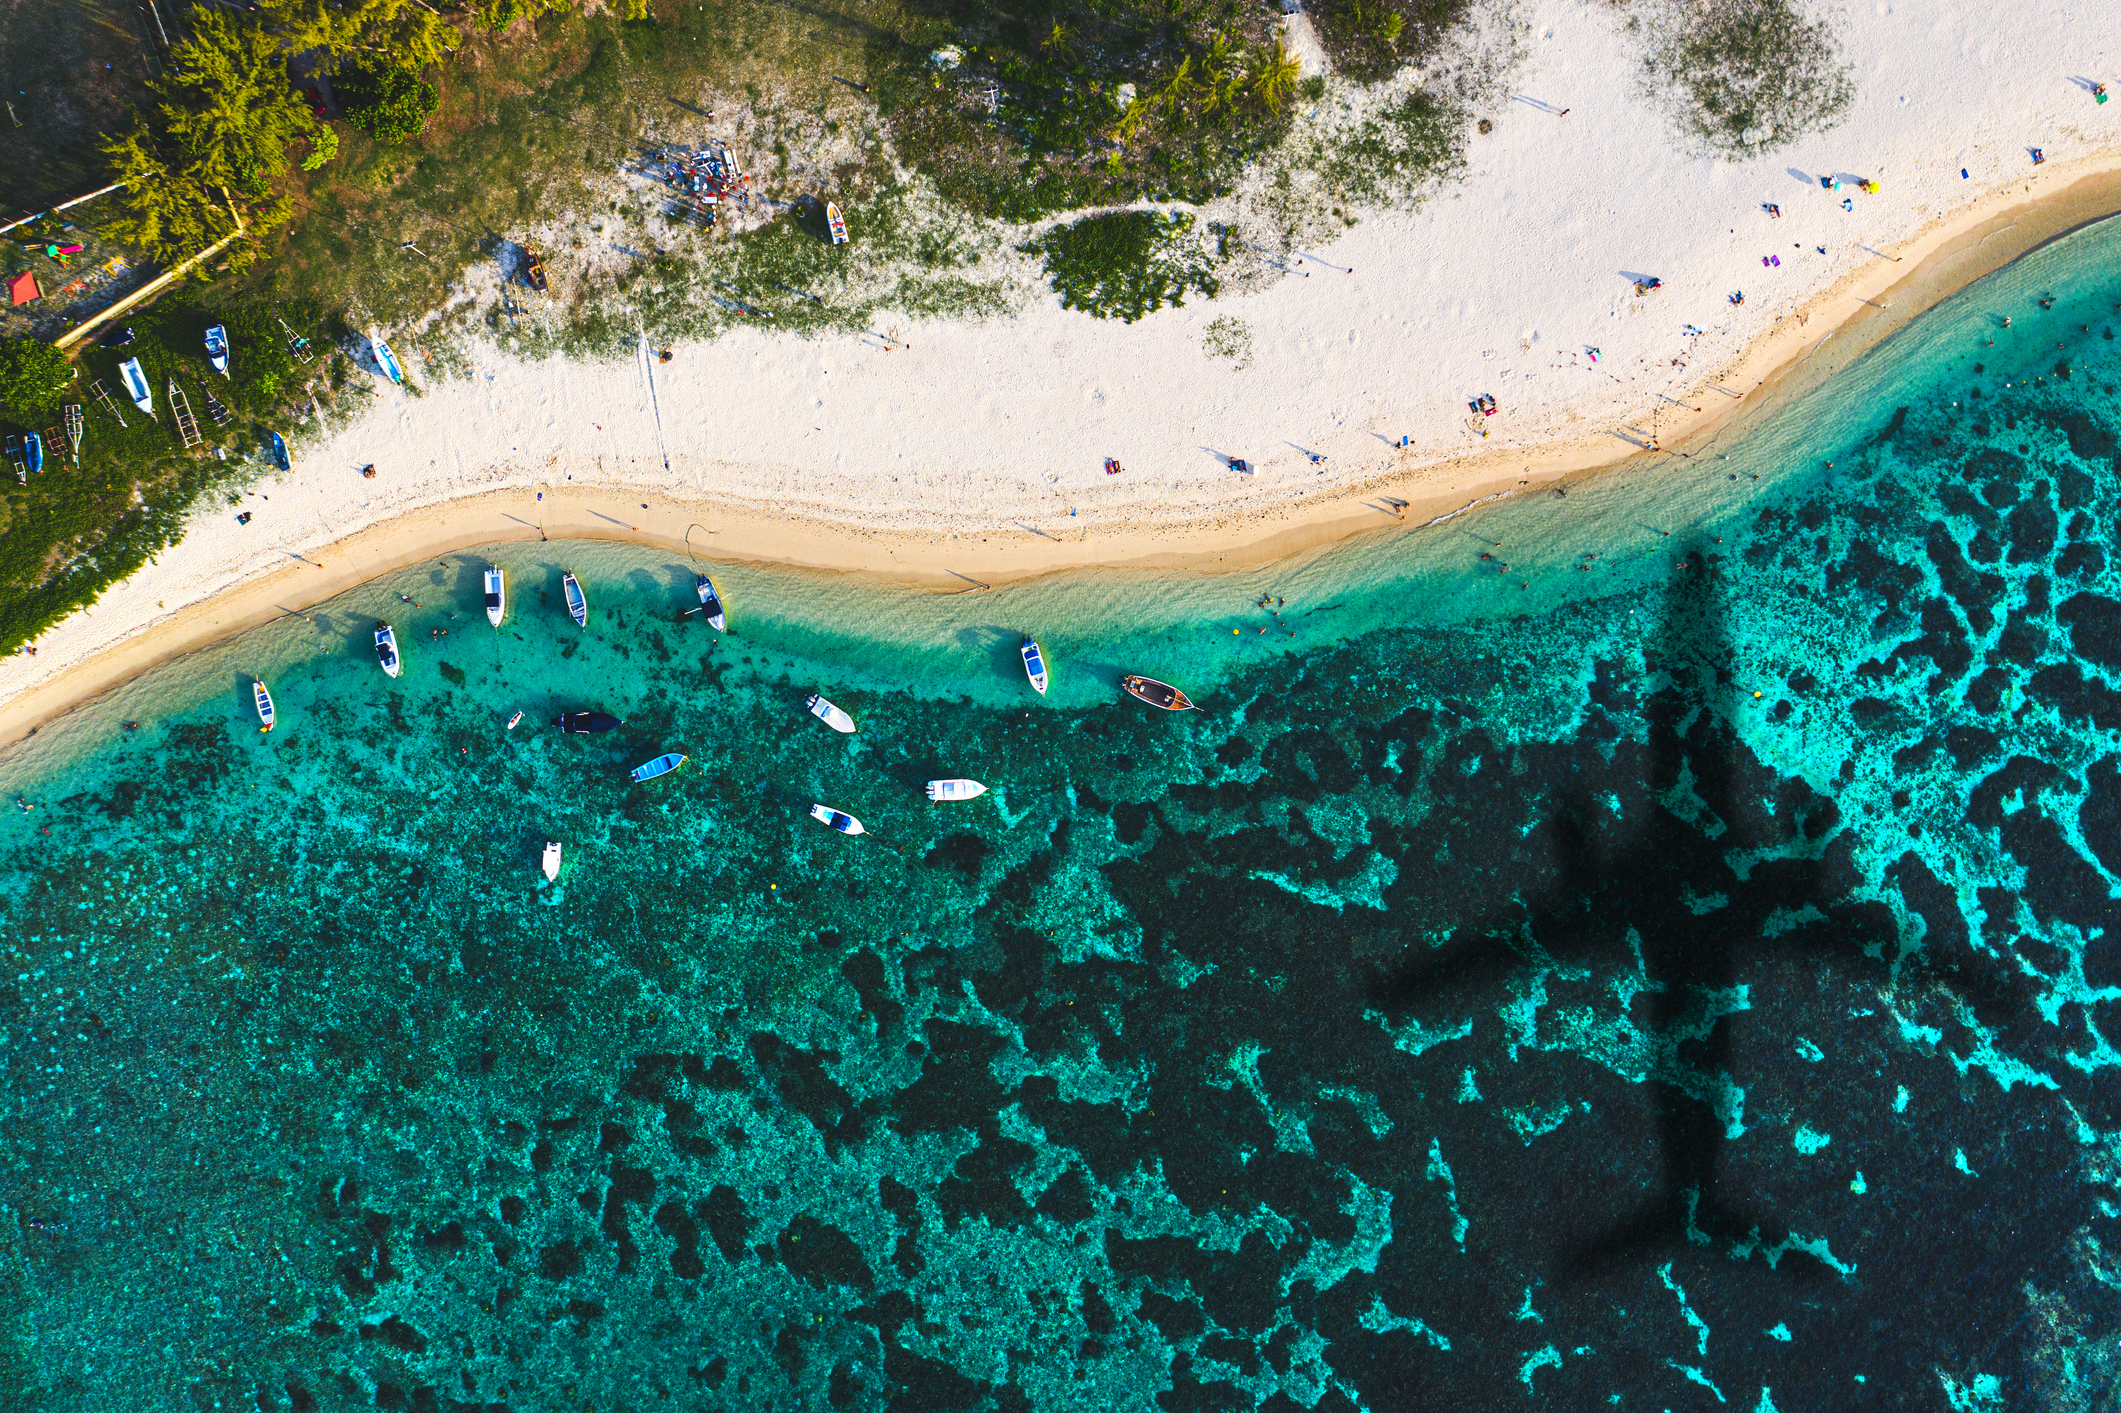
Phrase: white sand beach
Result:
[978,448]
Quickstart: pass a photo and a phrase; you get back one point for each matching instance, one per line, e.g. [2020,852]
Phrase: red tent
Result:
[23,288]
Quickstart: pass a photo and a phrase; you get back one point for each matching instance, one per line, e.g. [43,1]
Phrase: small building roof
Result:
[23,288]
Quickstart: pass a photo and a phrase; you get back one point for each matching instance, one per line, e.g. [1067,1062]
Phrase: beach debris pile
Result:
[703,178]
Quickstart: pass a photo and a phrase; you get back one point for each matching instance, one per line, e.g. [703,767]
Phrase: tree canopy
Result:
[33,376]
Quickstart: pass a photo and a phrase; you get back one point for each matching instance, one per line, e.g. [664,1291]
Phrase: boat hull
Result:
[946,790]
[135,379]
[710,603]
[551,861]
[217,349]
[385,359]
[577,601]
[661,765]
[33,451]
[1157,694]
[1034,666]
[844,822]
[496,595]
[387,650]
[262,699]
[831,715]
[586,723]
[280,458]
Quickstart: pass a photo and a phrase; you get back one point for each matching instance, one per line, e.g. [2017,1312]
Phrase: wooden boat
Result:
[577,601]
[837,223]
[583,723]
[710,603]
[551,861]
[496,595]
[135,378]
[387,649]
[217,349]
[533,271]
[831,715]
[1034,666]
[263,700]
[941,790]
[844,822]
[1157,694]
[280,458]
[385,359]
[74,425]
[661,765]
[33,451]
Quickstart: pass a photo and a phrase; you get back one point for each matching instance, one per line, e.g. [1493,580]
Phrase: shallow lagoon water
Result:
[1678,982]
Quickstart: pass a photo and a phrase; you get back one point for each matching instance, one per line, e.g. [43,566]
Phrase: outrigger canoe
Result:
[217,349]
[387,648]
[831,715]
[710,603]
[577,601]
[661,765]
[1034,666]
[844,822]
[263,698]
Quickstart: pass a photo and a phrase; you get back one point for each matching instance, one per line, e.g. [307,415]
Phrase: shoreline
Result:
[1780,366]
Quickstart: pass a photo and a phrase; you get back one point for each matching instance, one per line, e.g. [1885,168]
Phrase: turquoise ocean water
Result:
[1648,949]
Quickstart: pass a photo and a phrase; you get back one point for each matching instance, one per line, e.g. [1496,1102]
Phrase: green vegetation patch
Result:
[1125,264]
[1747,76]
[392,106]
[1369,40]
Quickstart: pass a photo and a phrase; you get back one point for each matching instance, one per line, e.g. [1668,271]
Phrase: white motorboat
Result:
[1034,666]
[387,648]
[577,601]
[217,349]
[955,789]
[552,859]
[711,603]
[831,715]
[135,378]
[496,594]
[385,359]
[844,822]
[263,698]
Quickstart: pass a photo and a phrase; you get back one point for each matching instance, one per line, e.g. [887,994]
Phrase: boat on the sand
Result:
[836,222]
[584,723]
[844,822]
[959,789]
[280,458]
[135,378]
[1157,694]
[1034,666]
[661,765]
[385,359]
[831,715]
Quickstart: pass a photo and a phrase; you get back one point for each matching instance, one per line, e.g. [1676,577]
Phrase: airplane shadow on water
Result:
[1694,892]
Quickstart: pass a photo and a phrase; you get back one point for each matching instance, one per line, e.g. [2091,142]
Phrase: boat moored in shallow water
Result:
[577,601]
[263,700]
[661,765]
[710,603]
[387,648]
[496,595]
[1034,666]
[844,822]
[582,723]
[1157,694]
[831,715]
[955,789]
[551,860]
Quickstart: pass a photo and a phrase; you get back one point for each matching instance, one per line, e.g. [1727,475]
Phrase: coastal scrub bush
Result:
[1369,40]
[1747,76]
[391,106]
[1125,264]
[33,376]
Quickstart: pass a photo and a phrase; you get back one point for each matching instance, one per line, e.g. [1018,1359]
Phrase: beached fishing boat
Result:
[551,862]
[1157,694]
[838,225]
[583,723]
[217,349]
[955,790]
[280,458]
[1034,666]
[496,595]
[533,271]
[577,601]
[385,359]
[831,715]
[844,822]
[710,602]
[135,378]
[661,765]
[33,451]
[263,700]
[387,648]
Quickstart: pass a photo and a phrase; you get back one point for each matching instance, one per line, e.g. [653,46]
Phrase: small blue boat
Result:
[280,458]
[33,450]
[385,359]
[661,765]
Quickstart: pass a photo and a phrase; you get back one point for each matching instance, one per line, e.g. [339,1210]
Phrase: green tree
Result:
[33,376]
[1276,76]
[405,33]
[392,106]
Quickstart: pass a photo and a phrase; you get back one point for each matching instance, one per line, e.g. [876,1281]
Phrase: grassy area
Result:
[53,58]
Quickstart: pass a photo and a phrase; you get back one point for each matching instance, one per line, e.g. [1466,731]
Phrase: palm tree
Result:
[1178,93]
[1276,76]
